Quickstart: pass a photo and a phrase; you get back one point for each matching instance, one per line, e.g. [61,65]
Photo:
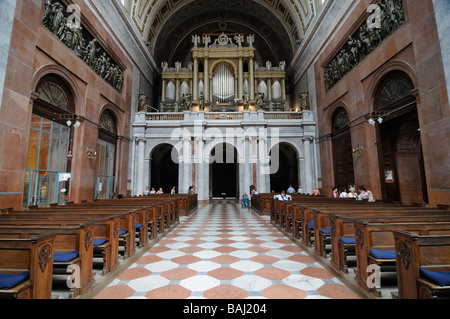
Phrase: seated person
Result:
[245,200]
[283,196]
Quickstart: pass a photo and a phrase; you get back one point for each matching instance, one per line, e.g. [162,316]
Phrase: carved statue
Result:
[268,65]
[259,100]
[187,101]
[246,100]
[304,101]
[282,65]
[142,102]
[239,39]
[178,66]
[206,40]
[195,40]
[164,66]
[201,100]
[251,40]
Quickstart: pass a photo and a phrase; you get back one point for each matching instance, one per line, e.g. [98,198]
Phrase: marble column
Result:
[177,90]
[163,95]
[308,165]
[140,141]
[251,79]
[241,78]
[263,166]
[186,165]
[201,176]
[206,79]
[195,80]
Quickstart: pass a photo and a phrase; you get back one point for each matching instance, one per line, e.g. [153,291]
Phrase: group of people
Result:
[159,191]
[364,194]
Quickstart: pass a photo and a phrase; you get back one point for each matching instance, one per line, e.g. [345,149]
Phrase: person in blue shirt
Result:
[245,200]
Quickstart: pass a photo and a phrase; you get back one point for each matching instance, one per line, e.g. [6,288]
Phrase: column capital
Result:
[308,138]
[141,140]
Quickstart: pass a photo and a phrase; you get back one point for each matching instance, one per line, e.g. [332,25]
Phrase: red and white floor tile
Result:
[226,252]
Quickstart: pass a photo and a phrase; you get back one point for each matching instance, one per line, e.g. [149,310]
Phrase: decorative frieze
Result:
[64,23]
[388,16]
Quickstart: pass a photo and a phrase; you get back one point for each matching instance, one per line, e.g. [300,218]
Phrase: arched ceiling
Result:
[168,25]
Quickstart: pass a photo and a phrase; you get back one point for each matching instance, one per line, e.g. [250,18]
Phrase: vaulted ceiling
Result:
[168,25]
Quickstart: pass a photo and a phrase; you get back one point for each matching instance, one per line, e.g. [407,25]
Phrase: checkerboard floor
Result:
[224,251]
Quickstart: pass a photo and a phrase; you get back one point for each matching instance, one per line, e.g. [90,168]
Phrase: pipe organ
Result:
[223,85]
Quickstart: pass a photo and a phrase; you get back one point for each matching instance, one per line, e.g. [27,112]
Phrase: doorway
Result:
[163,170]
[224,170]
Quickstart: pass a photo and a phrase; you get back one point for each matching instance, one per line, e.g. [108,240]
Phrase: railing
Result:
[283,116]
[165,117]
[224,116]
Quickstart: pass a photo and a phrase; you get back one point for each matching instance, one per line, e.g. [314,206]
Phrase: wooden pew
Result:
[126,227]
[33,255]
[343,232]
[414,254]
[375,244]
[106,229]
[73,246]
[322,222]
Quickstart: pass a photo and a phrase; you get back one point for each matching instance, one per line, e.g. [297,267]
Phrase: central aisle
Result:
[224,251]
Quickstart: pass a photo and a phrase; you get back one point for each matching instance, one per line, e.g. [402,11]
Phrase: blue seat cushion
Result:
[99,242]
[8,281]
[139,226]
[442,278]
[310,223]
[382,254]
[283,213]
[326,231]
[348,240]
[299,219]
[66,256]
[122,232]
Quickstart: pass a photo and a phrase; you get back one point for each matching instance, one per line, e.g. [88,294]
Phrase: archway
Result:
[344,176]
[105,166]
[163,170]
[287,173]
[224,172]
[48,164]
[399,144]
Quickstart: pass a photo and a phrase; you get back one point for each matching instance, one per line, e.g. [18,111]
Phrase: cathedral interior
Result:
[103,99]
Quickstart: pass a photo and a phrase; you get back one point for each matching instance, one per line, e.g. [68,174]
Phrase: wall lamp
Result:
[71,119]
[376,116]
[357,152]
[91,153]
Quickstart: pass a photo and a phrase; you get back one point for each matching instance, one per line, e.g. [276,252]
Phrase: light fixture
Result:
[380,120]
[357,152]
[371,121]
[69,123]
[77,124]
[92,155]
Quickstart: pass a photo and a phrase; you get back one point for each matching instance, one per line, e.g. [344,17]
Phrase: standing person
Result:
[343,193]
[153,191]
[146,191]
[316,192]
[335,193]
[191,190]
[160,191]
[291,190]
[173,190]
[300,190]
[245,200]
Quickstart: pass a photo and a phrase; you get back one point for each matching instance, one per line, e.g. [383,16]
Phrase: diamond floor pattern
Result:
[224,251]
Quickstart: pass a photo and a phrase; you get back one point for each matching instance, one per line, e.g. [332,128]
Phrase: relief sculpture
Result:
[364,41]
[81,43]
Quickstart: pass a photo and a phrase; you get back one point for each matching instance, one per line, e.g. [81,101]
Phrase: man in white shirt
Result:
[283,196]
